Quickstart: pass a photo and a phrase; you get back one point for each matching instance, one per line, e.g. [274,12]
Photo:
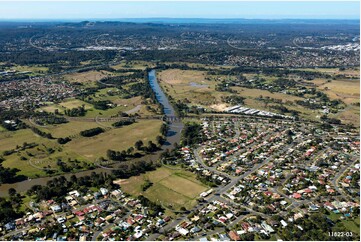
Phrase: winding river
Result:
[173,136]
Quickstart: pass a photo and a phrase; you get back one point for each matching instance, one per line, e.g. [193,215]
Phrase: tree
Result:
[12,192]
[73,179]
[138,145]
[130,150]
[160,139]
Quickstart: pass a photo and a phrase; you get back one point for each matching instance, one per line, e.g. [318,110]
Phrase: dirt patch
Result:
[219,107]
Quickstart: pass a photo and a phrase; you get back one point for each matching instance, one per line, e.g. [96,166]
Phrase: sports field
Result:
[171,188]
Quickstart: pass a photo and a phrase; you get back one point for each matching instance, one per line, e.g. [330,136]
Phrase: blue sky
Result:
[203,9]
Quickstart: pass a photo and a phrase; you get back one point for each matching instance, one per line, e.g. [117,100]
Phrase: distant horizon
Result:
[169,19]
[96,10]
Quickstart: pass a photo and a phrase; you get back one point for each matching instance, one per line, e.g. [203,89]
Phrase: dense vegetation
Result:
[92,132]
[75,112]
[123,123]
[45,118]
[192,134]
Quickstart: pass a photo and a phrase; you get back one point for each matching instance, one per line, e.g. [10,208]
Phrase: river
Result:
[173,136]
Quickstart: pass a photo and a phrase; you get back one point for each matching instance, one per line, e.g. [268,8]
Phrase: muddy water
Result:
[173,136]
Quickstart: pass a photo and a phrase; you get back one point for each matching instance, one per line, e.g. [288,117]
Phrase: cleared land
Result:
[350,72]
[78,153]
[189,85]
[67,104]
[9,140]
[197,88]
[116,139]
[347,91]
[72,128]
[172,188]
[179,84]
[35,69]
[86,77]
[45,154]
[132,65]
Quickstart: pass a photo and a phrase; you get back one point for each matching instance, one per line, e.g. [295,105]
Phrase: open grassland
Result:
[182,77]
[346,90]
[350,115]
[66,104]
[34,166]
[74,103]
[171,188]
[116,139]
[130,105]
[141,65]
[36,69]
[9,139]
[190,85]
[45,154]
[91,111]
[104,94]
[199,89]
[78,153]
[350,72]
[87,77]
[256,93]
[72,128]
[352,225]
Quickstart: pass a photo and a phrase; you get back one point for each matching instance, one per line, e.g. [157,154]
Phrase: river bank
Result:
[173,136]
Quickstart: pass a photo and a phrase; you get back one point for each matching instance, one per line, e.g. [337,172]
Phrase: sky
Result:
[88,10]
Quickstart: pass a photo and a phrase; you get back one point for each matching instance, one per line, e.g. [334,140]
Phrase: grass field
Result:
[349,115]
[352,225]
[352,72]
[83,149]
[9,140]
[67,104]
[86,77]
[115,139]
[176,188]
[132,65]
[40,157]
[347,91]
[190,85]
[177,84]
[91,111]
[36,69]
[182,77]
[73,127]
